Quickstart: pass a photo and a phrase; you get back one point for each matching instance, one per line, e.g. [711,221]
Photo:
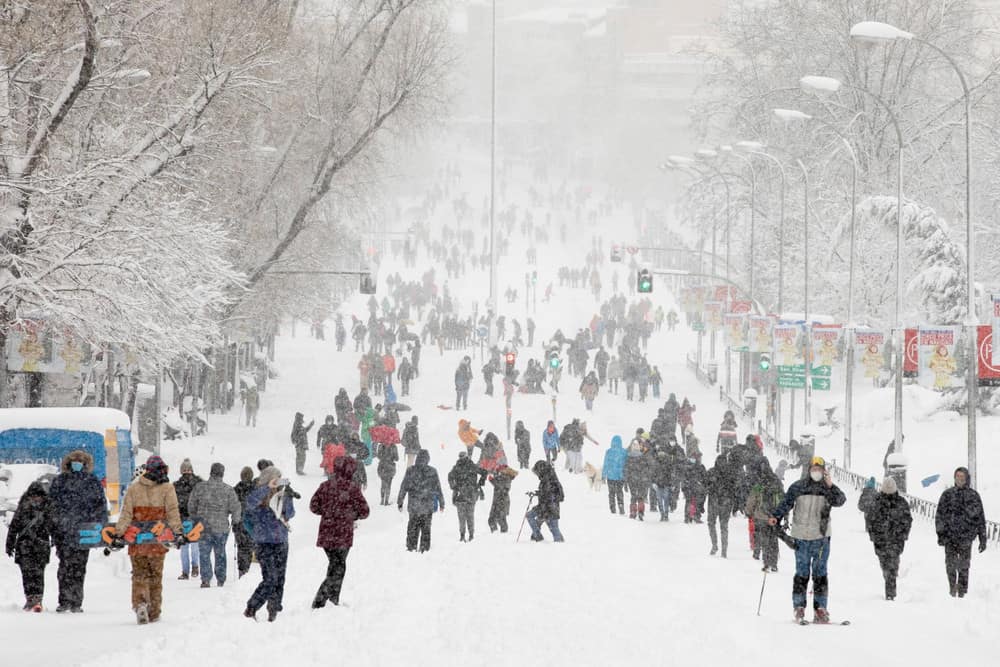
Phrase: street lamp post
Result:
[493,171]
[874,32]
[793,115]
[829,85]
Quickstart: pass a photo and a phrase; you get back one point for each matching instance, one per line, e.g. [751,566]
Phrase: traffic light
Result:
[645,282]
[509,360]
[616,253]
[367,284]
[765,361]
[534,277]
[555,362]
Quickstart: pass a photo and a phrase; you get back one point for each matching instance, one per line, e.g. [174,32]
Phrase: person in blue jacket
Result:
[550,441]
[613,472]
[812,499]
[77,499]
[269,508]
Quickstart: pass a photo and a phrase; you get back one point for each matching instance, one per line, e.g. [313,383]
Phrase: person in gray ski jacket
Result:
[810,501]
[215,503]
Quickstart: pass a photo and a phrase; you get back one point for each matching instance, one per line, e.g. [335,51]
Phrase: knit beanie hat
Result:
[186,466]
[889,486]
[267,474]
[156,469]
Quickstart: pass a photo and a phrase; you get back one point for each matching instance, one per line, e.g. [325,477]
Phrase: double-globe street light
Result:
[874,32]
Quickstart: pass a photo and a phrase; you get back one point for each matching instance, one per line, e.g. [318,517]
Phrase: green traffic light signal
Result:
[765,362]
[645,285]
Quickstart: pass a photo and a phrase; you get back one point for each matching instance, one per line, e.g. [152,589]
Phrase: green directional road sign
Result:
[822,371]
[697,325]
[821,384]
[792,381]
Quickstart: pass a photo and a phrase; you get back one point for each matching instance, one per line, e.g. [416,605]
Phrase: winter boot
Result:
[183,577]
[714,550]
[28,604]
[800,614]
[194,572]
[821,616]
[632,510]
[36,603]
[142,614]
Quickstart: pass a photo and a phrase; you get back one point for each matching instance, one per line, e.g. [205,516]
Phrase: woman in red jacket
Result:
[339,502]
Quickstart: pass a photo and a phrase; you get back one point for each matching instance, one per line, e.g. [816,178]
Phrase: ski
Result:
[805,622]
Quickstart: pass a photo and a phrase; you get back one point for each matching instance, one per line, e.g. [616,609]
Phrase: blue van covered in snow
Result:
[46,435]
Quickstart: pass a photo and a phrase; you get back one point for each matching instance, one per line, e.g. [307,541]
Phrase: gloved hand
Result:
[400,508]
[940,540]
[982,545]
[10,552]
[181,540]
[117,542]
[482,495]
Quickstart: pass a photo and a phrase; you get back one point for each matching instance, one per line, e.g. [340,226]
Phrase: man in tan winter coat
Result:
[152,498]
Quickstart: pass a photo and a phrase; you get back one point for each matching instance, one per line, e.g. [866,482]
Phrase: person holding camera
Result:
[269,509]
[152,498]
[811,499]
[960,520]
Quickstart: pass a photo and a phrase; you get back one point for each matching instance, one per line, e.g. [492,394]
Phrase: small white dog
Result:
[593,476]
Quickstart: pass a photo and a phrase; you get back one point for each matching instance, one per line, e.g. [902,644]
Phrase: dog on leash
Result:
[593,476]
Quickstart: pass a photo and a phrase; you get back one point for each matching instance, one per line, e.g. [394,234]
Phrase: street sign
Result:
[822,371]
[792,381]
[697,325]
[821,383]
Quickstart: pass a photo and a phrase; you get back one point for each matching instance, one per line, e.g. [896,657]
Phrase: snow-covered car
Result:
[15,479]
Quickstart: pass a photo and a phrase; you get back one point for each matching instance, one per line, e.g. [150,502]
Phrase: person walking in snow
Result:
[411,441]
[613,472]
[614,374]
[810,501]
[244,544]
[29,542]
[422,486]
[152,498]
[300,439]
[184,486]
[888,524]
[523,440]
[339,502]
[550,441]
[549,495]
[387,455]
[216,504]
[501,480]
[466,480]
[463,380]
[959,521]
[468,435]
[588,390]
[269,509]
[721,483]
[77,498]
[766,493]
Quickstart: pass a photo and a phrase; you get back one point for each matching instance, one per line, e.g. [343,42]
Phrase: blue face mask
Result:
[76,466]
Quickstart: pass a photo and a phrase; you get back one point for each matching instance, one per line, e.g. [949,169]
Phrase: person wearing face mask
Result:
[810,501]
[77,499]
[959,520]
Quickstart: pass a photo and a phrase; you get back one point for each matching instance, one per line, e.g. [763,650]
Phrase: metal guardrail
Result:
[699,373]
[921,508]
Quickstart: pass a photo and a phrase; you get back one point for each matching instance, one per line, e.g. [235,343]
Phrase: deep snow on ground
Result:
[617,592]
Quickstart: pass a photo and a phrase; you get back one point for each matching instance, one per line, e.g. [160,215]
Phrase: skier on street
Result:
[811,499]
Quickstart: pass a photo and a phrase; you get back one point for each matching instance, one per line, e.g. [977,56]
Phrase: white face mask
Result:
[817,475]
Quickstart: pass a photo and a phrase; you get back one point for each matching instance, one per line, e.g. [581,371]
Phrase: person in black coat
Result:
[359,452]
[466,480]
[423,486]
[387,456]
[523,440]
[721,485]
[77,498]
[501,481]
[960,520]
[693,487]
[29,542]
[638,478]
[342,406]
[888,523]
[300,439]
[549,495]
[411,441]
[244,544]
[326,433]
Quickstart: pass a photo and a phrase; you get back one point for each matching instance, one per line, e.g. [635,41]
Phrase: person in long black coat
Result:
[300,439]
[638,478]
[888,523]
[423,486]
[550,495]
[959,521]
[29,541]
[387,456]
[693,487]
[721,485]
[523,440]
[501,481]
[77,498]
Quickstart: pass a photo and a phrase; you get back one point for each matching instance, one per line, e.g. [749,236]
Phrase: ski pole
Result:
[523,520]
[761,600]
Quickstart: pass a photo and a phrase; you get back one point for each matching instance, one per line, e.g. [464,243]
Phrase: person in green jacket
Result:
[367,421]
